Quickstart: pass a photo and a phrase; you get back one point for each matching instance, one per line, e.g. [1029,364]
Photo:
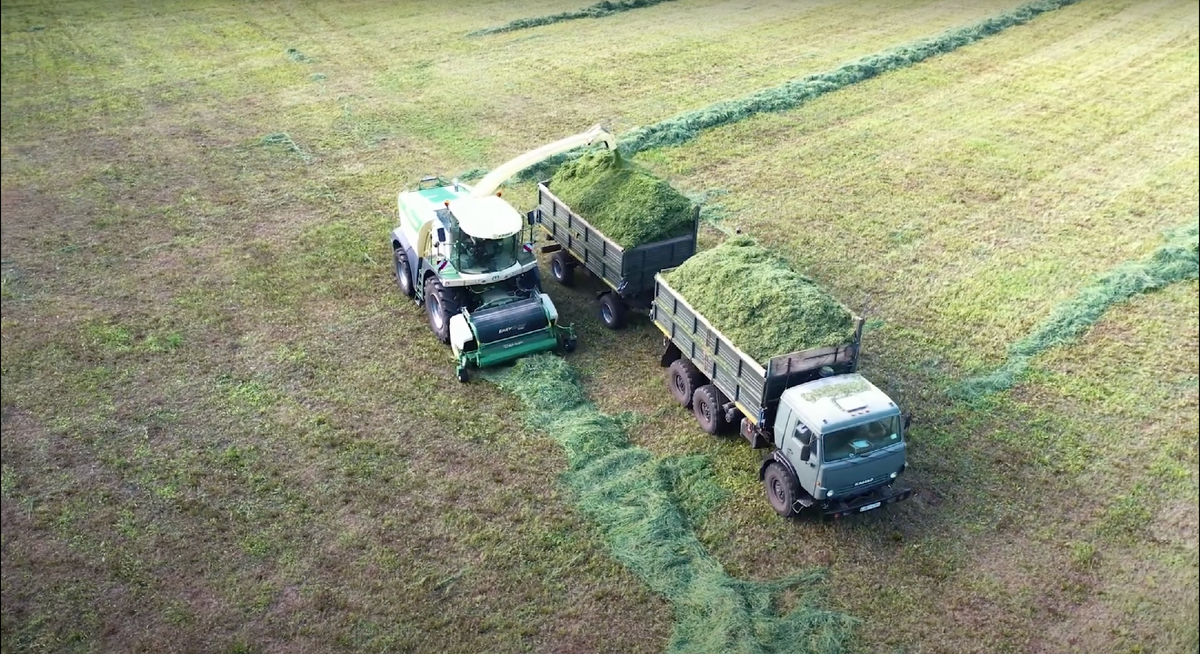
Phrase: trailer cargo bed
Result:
[629,273]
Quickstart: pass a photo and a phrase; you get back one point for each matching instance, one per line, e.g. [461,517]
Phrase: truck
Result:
[833,443]
[467,256]
[628,274]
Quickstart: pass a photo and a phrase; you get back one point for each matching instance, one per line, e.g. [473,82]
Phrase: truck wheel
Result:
[682,380]
[612,311]
[706,404]
[440,304]
[403,277]
[780,486]
[563,268]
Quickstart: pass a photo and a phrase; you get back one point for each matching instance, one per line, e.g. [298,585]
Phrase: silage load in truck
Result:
[760,304]
[626,204]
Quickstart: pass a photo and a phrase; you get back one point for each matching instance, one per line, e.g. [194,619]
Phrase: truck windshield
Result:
[861,439]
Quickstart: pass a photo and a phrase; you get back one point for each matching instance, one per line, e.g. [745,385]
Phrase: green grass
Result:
[222,427]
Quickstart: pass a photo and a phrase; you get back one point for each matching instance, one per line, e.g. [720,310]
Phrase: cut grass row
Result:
[597,10]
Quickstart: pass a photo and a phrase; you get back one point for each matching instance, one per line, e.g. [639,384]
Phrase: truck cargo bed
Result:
[753,388]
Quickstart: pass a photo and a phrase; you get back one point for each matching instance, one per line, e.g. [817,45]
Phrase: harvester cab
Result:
[467,255]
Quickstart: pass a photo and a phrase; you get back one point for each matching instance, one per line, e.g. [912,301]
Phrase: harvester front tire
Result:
[706,404]
[781,488]
[612,311]
[440,304]
[562,267]
[403,278]
[463,377]
[682,380]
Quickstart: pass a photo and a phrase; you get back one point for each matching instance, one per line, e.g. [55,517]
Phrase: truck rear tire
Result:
[612,311]
[706,404]
[403,276]
[682,380]
[562,267]
[440,304]
[781,488]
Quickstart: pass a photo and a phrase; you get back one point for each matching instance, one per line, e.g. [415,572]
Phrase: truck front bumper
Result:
[865,503]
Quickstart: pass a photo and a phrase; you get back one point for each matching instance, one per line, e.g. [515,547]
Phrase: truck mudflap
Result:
[866,503]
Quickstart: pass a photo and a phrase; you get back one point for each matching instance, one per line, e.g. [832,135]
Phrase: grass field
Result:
[224,432]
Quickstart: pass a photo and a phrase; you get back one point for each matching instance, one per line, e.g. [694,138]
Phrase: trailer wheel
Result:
[403,277]
[781,488]
[612,311]
[706,404]
[563,268]
[682,380]
[440,304]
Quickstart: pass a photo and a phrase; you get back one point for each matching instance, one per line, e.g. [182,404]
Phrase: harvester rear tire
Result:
[612,311]
[706,404]
[440,304]
[562,267]
[682,380]
[403,277]
[781,488]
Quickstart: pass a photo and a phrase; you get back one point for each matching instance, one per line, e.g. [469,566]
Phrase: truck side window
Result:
[803,434]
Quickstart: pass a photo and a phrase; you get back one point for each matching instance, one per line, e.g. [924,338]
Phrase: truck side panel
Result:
[628,272]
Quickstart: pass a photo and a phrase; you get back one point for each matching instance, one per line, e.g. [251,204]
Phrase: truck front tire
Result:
[562,267]
[440,304]
[781,488]
[706,404]
[682,380]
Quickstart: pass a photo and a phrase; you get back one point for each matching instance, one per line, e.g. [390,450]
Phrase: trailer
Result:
[832,440]
[627,273]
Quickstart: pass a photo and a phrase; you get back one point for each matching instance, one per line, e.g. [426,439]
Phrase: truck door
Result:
[801,441]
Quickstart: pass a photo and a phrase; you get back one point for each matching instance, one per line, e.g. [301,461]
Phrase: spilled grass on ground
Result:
[627,492]
[1175,261]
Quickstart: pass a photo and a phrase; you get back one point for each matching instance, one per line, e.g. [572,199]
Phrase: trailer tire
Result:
[682,380]
[562,267]
[781,488]
[706,404]
[612,311]
[403,276]
[440,304]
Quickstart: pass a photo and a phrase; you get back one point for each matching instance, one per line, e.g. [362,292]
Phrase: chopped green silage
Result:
[752,297]
[628,205]
[598,10]
[629,495]
[792,94]
[1176,260]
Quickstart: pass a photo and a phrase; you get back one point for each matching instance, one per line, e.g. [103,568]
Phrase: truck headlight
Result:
[894,475]
[828,493]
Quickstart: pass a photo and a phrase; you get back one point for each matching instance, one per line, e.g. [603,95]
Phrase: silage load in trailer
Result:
[628,205]
[760,304]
